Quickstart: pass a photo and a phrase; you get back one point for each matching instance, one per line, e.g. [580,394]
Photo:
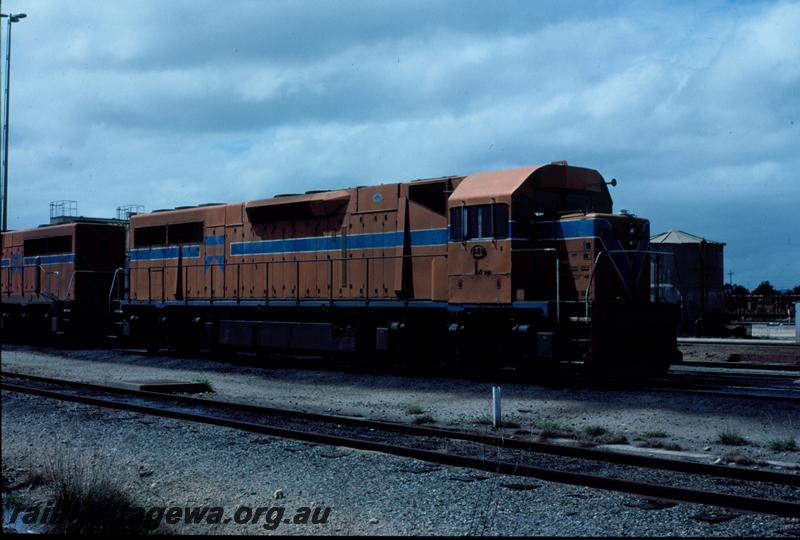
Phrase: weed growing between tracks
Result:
[424,419]
[655,443]
[731,437]
[588,437]
[206,384]
[413,410]
[782,445]
[595,435]
[595,431]
[552,430]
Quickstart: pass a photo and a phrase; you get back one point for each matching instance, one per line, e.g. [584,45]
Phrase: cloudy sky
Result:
[694,107]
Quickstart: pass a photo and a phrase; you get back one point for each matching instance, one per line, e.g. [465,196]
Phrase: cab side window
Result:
[456,224]
[501,221]
[483,221]
[522,215]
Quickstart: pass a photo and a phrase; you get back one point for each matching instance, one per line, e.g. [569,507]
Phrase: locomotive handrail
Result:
[657,285]
[597,259]
[111,288]
[183,268]
[72,277]
[46,271]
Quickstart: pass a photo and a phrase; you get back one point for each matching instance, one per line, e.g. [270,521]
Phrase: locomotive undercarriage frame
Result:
[627,339]
[40,321]
[470,338]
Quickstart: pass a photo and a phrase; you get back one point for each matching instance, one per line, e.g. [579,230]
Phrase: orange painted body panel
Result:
[68,262]
[345,270]
[376,242]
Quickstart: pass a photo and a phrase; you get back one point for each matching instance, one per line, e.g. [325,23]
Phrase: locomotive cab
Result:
[544,242]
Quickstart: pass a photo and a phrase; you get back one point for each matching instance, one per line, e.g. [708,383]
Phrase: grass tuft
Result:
[552,430]
[606,438]
[412,410]
[553,426]
[655,443]
[205,383]
[595,431]
[731,437]
[782,445]
[89,501]
[655,434]
[424,419]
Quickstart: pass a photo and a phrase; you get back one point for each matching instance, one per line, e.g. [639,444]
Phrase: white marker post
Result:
[496,412]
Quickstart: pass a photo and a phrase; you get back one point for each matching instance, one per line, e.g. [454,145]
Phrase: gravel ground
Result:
[164,462]
[692,422]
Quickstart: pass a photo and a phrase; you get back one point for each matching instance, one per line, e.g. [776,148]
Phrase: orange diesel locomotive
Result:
[56,278]
[527,264]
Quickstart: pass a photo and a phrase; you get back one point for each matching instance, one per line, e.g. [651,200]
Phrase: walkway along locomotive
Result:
[526,266]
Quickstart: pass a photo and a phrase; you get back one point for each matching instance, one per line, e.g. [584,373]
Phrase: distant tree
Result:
[735,289]
[796,289]
[766,288]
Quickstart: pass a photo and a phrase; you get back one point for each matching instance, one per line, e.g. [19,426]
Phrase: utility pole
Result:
[12,18]
[2,176]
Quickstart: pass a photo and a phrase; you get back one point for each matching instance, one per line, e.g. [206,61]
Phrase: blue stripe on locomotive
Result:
[65,258]
[382,240]
[169,252]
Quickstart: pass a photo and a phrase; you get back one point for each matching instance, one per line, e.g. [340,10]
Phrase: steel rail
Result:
[690,467]
[721,393]
[676,494]
[737,365]
[716,390]
[733,379]
[746,342]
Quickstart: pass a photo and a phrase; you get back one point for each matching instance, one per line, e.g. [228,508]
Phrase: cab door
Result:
[479,258]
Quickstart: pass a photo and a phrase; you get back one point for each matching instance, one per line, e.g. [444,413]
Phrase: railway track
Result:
[748,342]
[712,382]
[754,490]
[698,378]
[736,366]
[739,383]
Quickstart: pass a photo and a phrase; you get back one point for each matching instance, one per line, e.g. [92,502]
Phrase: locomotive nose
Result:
[627,244]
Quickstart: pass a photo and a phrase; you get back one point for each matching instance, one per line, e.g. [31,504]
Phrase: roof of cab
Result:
[482,186]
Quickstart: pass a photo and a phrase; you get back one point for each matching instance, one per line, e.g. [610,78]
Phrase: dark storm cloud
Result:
[694,107]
